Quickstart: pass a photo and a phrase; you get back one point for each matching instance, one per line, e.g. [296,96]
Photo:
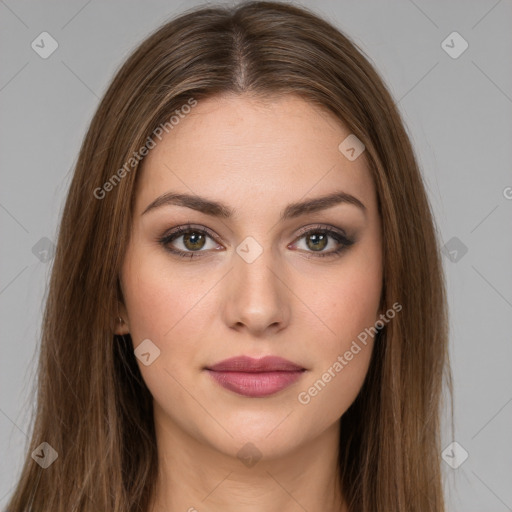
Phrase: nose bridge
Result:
[255,267]
[257,295]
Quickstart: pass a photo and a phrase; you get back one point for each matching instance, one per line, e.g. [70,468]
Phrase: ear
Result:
[382,308]
[380,317]
[121,320]
[122,326]
[380,313]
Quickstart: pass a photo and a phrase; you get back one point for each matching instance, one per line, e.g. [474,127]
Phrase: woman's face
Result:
[254,283]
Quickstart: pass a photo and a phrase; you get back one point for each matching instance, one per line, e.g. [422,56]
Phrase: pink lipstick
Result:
[255,377]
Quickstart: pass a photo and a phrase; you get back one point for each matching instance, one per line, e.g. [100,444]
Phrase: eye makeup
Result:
[193,234]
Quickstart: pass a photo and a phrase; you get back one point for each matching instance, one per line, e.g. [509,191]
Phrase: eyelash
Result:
[344,242]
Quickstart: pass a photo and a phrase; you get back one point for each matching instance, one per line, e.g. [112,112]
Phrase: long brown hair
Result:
[93,406]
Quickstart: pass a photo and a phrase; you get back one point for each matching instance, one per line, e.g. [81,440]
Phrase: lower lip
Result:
[256,384]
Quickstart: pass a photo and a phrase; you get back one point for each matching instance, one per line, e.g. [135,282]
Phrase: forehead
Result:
[248,153]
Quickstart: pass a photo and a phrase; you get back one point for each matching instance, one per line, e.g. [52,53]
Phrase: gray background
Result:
[458,114]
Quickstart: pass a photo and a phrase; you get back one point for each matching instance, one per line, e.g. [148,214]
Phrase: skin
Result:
[257,157]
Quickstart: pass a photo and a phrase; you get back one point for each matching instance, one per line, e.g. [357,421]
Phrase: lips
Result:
[255,377]
[250,365]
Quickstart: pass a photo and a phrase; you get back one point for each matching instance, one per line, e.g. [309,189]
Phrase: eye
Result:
[318,238]
[194,239]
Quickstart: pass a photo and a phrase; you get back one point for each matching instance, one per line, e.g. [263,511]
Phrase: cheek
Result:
[348,309]
[344,351]
[348,303]
[163,306]
[159,300]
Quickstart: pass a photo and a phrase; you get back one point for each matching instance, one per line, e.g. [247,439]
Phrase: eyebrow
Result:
[218,209]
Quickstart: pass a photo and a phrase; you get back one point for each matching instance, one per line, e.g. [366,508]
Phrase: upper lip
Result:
[249,364]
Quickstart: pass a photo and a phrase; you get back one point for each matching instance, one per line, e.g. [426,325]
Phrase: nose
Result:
[257,298]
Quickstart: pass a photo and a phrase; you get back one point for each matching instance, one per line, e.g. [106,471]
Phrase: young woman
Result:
[247,307]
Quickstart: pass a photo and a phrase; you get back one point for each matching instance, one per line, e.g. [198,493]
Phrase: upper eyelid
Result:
[181,230]
[321,227]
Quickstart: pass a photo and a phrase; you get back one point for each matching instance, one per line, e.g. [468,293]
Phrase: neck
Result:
[194,476]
